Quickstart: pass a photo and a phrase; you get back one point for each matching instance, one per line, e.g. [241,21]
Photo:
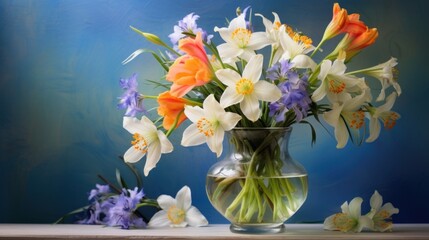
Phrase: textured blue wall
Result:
[60,62]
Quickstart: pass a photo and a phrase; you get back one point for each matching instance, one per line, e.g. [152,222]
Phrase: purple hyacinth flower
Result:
[279,71]
[130,99]
[188,24]
[122,212]
[99,191]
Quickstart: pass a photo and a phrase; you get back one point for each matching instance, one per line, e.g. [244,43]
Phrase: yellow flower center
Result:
[336,86]
[357,119]
[343,222]
[205,127]
[140,142]
[176,215]
[277,25]
[389,119]
[241,36]
[244,86]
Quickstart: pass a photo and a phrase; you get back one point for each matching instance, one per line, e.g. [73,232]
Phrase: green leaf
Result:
[120,180]
[71,213]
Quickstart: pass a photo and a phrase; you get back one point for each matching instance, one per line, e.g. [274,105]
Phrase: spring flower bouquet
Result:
[220,87]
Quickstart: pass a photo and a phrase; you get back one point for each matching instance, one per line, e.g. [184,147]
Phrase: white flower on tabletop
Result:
[209,125]
[334,82]
[383,114]
[346,115]
[295,46]
[240,41]
[247,89]
[350,219]
[147,140]
[386,73]
[381,214]
[177,212]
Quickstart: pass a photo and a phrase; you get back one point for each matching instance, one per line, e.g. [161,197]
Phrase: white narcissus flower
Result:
[346,113]
[209,125]
[295,47]
[384,114]
[350,219]
[272,29]
[240,41]
[334,81]
[177,212]
[381,215]
[147,139]
[247,89]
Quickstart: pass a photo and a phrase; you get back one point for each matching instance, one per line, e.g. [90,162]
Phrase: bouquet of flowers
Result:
[219,87]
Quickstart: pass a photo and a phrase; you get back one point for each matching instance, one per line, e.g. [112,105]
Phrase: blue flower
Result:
[121,213]
[130,99]
[293,88]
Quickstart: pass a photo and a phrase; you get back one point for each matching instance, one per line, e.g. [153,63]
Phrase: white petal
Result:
[238,22]
[390,101]
[228,77]
[247,54]
[159,219]
[133,155]
[153,156]
[229,120]
[267,23]
[320,92]
[194,218]
[192,136]
[345,208]
[229,50]
[364,222]
[166,201]
[215,142]
[376,201]
[194,113]
[388,207]
[303,61]
[148,124]
[132,125]
[266,91]
[329,224]
[325,68]
[258,40]
[212,108]
[166,146]
[338,67]
[230,97]
[253,69]
[183,198]
[332,117]
[224,33]
[355,207]
[341,134]
[250,108]
[374,129]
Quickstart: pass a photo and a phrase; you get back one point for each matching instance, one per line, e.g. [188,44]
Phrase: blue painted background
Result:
[60,63]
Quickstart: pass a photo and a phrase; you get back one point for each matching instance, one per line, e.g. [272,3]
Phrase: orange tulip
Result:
[170,108]
[186,73]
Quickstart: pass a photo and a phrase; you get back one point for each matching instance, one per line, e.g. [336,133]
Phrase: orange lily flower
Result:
[354,25]
[190,70]
[170,108]
[337,24]
[186,73]
[194,47]
[360,42]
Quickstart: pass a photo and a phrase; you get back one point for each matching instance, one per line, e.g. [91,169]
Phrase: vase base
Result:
[257,228]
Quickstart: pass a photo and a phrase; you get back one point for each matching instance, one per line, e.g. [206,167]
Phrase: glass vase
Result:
[257,186]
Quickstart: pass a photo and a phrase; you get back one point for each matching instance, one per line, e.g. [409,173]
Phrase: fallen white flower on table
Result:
[350,220]
[177,212]
[381,215]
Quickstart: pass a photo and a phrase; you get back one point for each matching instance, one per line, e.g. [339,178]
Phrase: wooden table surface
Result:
[293,231]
